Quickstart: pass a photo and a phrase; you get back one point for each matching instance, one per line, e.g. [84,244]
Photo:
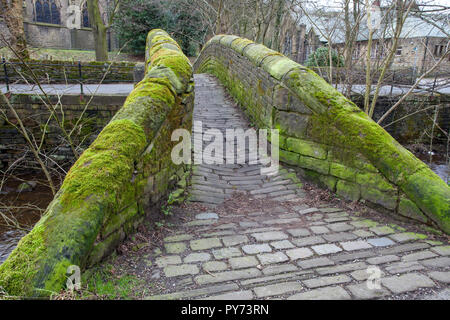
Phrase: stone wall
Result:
[324,135]
[51,71]
[35,115]
[112,186]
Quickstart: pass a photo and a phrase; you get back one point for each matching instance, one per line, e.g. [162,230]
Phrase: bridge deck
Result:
[267,241]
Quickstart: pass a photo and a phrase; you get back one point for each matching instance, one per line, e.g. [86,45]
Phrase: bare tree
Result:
[12,13]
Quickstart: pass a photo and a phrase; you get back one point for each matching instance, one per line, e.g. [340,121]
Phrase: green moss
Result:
[18,271]
[106,165]
[306,148]
[348,190]
[343,172]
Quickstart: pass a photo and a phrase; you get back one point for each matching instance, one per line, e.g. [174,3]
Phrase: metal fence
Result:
[12,72]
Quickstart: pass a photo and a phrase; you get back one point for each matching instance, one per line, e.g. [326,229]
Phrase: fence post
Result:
[81,77]
[6,74]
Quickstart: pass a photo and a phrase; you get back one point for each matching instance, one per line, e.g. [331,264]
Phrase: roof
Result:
[332,26]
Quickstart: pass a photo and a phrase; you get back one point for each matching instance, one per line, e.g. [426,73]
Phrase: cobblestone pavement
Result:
[283,248]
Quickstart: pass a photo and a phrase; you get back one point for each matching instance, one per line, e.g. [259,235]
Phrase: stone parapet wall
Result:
[324,135]
[113,185]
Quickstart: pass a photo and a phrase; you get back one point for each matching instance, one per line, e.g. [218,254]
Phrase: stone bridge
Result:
[249,230]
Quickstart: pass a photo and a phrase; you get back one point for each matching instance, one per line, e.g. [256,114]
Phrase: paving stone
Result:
[440,262]
[219,233]
[339,227]
[404,248]
[421,255]
[300,207]
[166,260]
[214,266]
[323,249]
[407,282]
[195,292]
[407,236]
[205,243]
[382,230]
[226,226]
[355,245]
[362,292]
[403,266]
[237,295]
[341,268]
[329,210]
[299,253]
[338,219]
[308,241]
[355,255]
[227,276]
[206,216]
[277,289]
[366,223]
[249,224]
[178,237]
[175,248]
[280,268]
[326,281]
[328,293]
[234,240]
[243,262]
[380,242]
[383,259]
[269,258]
[362,233]
[299,232]
[197,257]
[364,274]
[442,250]
[268,236]
[256,248]
[259,230]
[197,223]
[282,221]
[340,236]
[226,253]
[180,270]
[314,263]
[307,211]
[440,276]
[283,244]
[319,229]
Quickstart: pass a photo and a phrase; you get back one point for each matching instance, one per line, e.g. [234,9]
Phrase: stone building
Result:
[420,44]
[47,24]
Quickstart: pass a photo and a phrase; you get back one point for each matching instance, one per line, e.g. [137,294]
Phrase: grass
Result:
[101,283]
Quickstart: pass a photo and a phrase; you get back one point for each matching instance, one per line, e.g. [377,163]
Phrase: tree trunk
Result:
[12,13]
[99,30]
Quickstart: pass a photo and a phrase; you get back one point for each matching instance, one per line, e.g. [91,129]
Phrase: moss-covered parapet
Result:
[108,190]
[323,133]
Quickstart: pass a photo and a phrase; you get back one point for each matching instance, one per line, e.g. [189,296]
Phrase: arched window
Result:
[85,16]
[47,11]
[56,18]
[39,11]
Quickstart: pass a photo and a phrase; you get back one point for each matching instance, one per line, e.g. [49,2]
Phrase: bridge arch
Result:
[325,136]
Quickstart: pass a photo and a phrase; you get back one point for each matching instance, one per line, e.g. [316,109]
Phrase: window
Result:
[288,45]
[398,52]
[439,50]
[85,16]
[47,11]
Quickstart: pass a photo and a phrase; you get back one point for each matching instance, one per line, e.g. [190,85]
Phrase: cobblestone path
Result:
[285,249]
